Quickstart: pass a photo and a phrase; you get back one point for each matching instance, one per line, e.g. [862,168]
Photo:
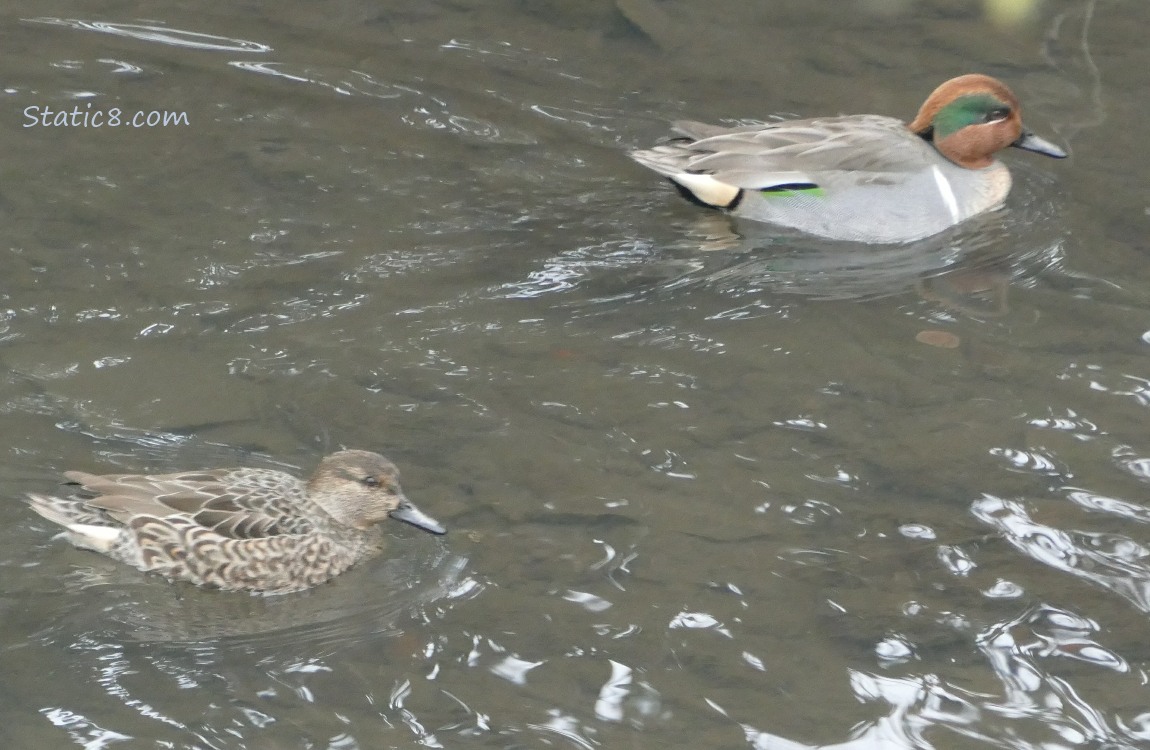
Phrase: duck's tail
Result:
[84,527]
[670,160]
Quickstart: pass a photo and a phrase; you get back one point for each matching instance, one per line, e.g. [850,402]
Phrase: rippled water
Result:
[707,485]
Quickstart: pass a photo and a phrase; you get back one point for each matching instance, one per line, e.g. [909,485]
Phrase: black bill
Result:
[408,513]
[1030,142]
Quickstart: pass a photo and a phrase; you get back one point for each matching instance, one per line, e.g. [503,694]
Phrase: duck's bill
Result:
[1030,142]
[408,513]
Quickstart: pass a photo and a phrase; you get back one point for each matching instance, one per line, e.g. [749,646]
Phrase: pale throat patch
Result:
[947,193]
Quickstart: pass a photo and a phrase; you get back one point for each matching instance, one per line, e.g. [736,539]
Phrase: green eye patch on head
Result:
[972,109]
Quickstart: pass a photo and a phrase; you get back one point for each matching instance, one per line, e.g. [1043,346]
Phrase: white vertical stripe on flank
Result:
[946,192]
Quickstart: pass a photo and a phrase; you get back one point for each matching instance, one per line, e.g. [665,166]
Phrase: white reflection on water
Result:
[621,698]
[917,531]
[894,649]
[1003,589]
[1101,380]
[1129,461]
[399,694]
[956,560]
[699,621]
[566,726]
[609,703]
[1032,461]
[1080,427]
[514,670]
[589,602]
[156,33]
[572,267]
[1113,561]
[83,731]
[353,82]
[1032,701]
[1100,503]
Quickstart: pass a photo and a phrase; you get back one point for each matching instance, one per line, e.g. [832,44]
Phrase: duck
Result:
[861,178]
[242,529]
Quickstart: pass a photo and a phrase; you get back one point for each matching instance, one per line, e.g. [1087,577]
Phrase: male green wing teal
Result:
[865,178]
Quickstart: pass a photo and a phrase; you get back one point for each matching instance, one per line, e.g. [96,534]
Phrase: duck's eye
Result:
[998,115]
[371,481]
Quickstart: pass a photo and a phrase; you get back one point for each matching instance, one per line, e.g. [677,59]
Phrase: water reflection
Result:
[160,34]
[1034,706]
[712,491]
[358,83]
[966,270]
[1115,562]
[191,664]
[411,579]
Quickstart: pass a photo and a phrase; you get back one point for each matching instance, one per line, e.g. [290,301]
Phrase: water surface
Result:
[707,485]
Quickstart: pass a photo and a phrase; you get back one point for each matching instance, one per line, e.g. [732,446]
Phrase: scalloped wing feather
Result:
[179,548]
[235,503]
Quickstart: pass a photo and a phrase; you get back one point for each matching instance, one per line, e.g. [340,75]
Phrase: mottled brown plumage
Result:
[242,529]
